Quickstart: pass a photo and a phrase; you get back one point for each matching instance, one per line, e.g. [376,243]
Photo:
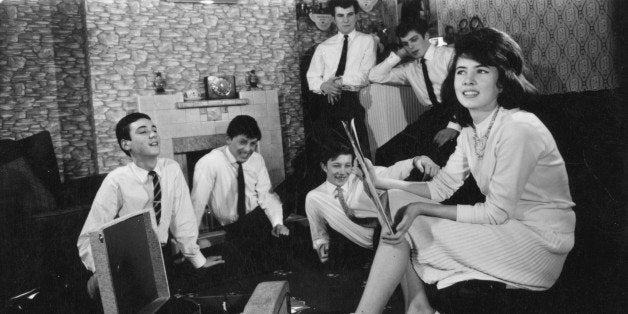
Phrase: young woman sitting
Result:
[494,256]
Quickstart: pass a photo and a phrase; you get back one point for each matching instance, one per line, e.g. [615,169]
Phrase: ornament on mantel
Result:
[251,80]
[367,5]
[322,21]
[159,83]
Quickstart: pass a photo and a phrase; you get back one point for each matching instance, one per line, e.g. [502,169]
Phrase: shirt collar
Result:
[229,155]
[142,174]
[331,188]
[351,35]
[429,54]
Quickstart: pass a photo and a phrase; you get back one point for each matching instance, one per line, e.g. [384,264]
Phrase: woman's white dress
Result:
[522,233]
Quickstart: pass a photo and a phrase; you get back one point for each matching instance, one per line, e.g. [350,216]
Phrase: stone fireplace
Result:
[188,150]
[189,129]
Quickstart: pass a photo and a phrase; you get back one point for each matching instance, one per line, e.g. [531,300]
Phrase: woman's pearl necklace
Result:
[479,143]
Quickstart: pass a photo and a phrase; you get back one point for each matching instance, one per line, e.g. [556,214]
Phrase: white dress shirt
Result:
[216,184]
[323,207]
[437,60]
[129,189]
[360,59]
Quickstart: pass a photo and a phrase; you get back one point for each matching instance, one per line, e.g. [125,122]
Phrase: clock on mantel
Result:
[220,87]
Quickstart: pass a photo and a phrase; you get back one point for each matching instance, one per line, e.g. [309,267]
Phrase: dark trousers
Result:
[479,296]
[250,247]
[418,139]
[328,126]
[184,278]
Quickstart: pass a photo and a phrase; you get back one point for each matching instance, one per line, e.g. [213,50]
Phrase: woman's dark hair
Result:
[490,47]
[123,127]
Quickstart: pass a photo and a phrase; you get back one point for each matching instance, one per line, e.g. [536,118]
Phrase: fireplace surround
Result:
[189,127]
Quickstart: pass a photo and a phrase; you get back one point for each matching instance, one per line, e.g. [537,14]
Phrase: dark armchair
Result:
[40,217]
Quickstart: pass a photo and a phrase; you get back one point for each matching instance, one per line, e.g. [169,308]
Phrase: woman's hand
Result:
[403,220]
[429,168]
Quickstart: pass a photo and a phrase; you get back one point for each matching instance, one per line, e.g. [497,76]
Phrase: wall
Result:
[569,45]
[130,40]
[43,79]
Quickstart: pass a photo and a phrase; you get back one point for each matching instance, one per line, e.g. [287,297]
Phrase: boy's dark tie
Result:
[428,84]
[241,205]
[343,57]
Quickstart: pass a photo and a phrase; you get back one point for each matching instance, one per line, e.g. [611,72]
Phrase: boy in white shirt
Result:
[147,182]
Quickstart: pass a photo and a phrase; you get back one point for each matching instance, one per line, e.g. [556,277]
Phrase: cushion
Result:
[9,150]
[40,154]
[19,184]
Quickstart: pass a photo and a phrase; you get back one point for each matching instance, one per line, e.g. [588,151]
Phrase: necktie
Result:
[428,84]
[156,195]
[343,57]
[364,222]
[241,206]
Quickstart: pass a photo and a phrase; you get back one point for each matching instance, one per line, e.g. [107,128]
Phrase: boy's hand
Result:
[213,261]
[429,168]
[323,252]
[280,230]
[92,287]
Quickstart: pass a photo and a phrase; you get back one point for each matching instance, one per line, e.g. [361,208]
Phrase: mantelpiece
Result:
[211,103]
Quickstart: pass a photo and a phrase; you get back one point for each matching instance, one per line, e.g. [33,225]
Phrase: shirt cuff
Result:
[278,220]
[433,196]
[454,125]
[393,58]
[198,260]
[464,213]
[318,242]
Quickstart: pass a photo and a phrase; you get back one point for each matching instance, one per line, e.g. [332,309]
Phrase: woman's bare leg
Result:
[414,293]
[389,266]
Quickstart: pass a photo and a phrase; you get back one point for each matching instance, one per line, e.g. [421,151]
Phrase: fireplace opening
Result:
[191,159]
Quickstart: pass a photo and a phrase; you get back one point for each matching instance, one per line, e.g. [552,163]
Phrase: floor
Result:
[333,287]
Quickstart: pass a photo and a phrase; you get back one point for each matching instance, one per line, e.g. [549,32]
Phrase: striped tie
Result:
[367,222]
[157,195]
[348,211]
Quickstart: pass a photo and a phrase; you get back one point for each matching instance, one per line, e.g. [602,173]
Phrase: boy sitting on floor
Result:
[343,204]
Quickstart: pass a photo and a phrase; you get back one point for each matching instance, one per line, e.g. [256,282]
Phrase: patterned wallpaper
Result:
[568,44]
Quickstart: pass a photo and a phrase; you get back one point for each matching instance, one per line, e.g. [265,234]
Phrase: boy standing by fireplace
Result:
[147,182]
[233,183]
[338,70]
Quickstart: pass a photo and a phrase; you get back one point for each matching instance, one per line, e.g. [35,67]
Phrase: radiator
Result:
[389,109]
